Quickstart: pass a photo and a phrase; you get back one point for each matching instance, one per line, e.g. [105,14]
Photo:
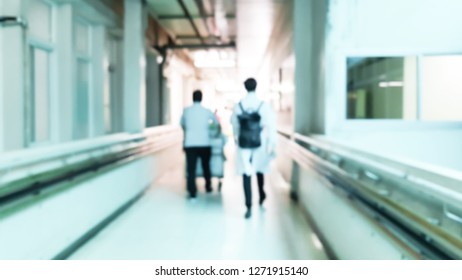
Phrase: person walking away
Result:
[196,122]
[254,127]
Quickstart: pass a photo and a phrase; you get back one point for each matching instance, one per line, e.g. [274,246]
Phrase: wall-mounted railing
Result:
[421,206]
[29,172]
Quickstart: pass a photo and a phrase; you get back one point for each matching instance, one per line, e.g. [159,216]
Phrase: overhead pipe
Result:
[191,21]
[221,23]
[207,16]
[197,46]
[203,15]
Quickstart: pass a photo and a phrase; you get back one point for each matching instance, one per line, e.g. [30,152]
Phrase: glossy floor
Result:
[165,225]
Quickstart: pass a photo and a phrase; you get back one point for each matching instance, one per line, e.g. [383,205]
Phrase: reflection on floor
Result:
[165,225]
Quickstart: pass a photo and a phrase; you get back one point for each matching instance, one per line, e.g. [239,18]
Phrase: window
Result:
[427,88]
[39,98]
[442,88]
[82,118]
[40,52]
[382,88]
[113,88]
[83,80]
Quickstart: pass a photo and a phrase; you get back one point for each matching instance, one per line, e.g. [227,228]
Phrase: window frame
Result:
[89,60]
[346,124]
[49,46]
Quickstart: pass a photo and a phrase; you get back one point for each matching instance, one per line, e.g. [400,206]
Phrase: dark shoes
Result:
[248,213]
[208,188]
[262,198]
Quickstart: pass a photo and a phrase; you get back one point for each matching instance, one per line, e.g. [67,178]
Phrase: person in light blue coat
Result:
[251,161]
[196,122]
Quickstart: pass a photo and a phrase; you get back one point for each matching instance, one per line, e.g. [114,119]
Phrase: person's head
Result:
[197,96]
[250,84]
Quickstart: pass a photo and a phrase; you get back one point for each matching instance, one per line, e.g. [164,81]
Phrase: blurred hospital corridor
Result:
[163,224]
[342,117]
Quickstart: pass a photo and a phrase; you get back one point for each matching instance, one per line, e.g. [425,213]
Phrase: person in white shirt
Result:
[255,159]
[196,122]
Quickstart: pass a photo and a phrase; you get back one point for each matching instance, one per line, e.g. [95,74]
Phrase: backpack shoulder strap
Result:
[242,108]
[261,104]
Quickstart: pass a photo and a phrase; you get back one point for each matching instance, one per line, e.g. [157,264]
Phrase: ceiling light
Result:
[391,84]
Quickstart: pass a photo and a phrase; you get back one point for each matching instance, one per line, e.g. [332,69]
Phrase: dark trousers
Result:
[204,153]
[248,188]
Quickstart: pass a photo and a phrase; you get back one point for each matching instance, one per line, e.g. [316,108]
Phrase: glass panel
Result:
[82,33]
[107,95]
[82,100]
[40,99]
[39,17]
[442,88]
[382,88]
[115,84]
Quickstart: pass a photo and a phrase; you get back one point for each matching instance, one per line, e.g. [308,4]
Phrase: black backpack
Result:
[249,128]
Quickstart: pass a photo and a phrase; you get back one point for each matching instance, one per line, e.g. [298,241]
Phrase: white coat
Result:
[196,122]
[250,161]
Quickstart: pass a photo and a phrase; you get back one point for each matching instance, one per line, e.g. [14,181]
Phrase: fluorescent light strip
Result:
[391,84]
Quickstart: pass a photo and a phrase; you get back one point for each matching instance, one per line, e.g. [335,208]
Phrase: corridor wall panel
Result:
[47,226]
[349,234]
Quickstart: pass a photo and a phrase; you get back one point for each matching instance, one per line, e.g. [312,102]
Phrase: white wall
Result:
[309,42]
[431,147]
[177,96]
[181,83]
[374,28]
[394,25]
[12,84]
[327,32]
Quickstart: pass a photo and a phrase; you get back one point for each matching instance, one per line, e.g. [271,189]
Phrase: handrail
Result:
[19,159]
[371,174]
[404,171]
[404,164]
[24,176]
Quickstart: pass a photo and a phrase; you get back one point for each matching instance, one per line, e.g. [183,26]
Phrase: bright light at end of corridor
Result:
[227,86]
[223,63]
[283,88]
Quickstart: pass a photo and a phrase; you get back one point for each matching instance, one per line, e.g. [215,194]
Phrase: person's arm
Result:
[182,121]
[214,119]
[235,123]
